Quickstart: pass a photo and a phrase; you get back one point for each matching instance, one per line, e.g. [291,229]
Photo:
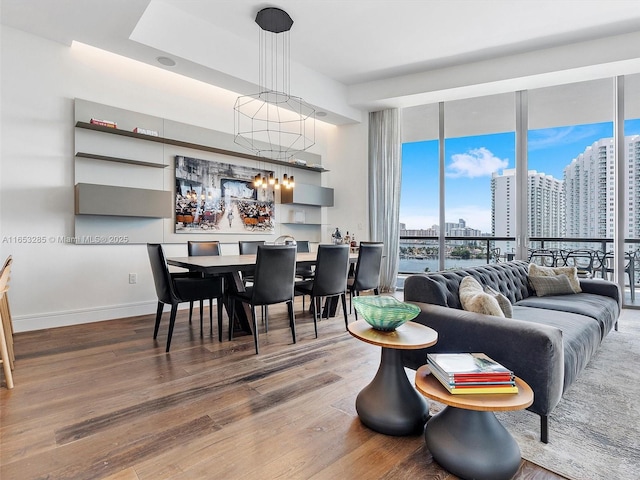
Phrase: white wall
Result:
[55,283]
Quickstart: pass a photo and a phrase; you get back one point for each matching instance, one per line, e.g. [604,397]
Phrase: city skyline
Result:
[470,162]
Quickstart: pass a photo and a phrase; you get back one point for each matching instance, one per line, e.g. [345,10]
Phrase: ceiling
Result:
[338,47]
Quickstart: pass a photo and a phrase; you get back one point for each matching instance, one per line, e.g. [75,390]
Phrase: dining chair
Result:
[543,257]
[273,283]
[583,260]
[207,248]
[304,272]
[5,357]
[330,279]
[175,289]
[367,272]
[607,268]
[248,247]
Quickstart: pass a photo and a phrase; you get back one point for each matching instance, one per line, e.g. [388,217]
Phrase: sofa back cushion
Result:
[474,299]
[508,278]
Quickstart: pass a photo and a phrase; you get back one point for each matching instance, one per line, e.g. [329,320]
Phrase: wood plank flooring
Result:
[104,401]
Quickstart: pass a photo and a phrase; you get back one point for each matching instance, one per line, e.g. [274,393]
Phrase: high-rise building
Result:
[545,208]
[590,190]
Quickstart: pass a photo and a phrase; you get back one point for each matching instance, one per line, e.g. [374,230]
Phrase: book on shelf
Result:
[103,123]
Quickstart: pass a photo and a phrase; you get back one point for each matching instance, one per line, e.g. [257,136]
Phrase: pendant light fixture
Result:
[273,123]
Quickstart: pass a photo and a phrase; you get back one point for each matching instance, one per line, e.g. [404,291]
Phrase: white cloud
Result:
[478,162]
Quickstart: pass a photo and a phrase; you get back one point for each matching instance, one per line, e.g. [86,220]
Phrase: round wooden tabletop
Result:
[431,388]
[409,336]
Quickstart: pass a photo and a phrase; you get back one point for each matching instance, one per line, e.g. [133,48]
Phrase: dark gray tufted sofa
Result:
[548,341]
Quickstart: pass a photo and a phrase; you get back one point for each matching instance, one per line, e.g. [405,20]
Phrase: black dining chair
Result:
[304,272]
[175,289]
[247,247]
[273,283]
[367,272]
[330,279]
[205,248]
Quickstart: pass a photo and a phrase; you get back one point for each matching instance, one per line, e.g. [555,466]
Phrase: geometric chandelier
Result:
[273,123]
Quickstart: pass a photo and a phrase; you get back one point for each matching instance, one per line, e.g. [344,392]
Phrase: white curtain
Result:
[385,172]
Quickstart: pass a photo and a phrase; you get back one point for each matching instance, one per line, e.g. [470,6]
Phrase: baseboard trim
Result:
[27,323]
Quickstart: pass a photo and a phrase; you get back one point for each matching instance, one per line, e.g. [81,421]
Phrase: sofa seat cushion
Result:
[604,310]
[580,336]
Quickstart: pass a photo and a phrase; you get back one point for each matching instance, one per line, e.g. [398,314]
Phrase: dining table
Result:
[230,267]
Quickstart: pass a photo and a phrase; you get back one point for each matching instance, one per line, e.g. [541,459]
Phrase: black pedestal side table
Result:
[466,438]
[390,404]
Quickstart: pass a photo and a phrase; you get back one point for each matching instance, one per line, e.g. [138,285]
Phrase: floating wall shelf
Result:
[120,160]
[195,146]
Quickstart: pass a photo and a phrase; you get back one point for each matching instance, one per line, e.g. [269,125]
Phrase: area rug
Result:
[594,432]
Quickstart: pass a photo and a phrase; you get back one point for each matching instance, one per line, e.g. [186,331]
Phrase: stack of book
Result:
[471,373]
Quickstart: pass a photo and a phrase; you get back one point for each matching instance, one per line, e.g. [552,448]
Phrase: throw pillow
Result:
[556,285]
[503,302]
[570,272]
[473,298]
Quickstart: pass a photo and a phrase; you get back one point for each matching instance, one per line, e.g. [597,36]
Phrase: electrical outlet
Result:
[133,278]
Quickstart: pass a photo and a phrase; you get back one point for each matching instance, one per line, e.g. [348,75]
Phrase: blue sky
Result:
[471,160]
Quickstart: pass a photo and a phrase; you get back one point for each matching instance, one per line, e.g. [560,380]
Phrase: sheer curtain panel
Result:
[385,173]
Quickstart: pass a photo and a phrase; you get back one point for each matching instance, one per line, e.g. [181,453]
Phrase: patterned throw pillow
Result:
[473,298]
[556,285]
[503,302]
[570,272]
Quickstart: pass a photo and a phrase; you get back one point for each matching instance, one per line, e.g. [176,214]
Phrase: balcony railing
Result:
[419,254]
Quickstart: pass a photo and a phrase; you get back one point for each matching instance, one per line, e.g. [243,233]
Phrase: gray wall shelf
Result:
[120,160]
[195,146]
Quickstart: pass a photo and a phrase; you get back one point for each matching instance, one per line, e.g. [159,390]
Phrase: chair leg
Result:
[201,319]
[158,317]
[344,310]
[314,308]
[190,311]
[172,322]
[255,327]
[356,293]
[265,318]
[211,317]
[292,320]
[219,302]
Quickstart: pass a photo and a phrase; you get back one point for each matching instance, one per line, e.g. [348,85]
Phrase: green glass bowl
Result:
[385,313]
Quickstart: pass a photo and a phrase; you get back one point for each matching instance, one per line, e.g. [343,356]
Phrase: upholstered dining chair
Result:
[330,279]
[274,278]
[5,356]
[248,247]
[367,272]
[203,248]
[173,290]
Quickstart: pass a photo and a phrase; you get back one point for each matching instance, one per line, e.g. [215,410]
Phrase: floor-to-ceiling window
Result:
[563,195]
[419,203]
[479,153]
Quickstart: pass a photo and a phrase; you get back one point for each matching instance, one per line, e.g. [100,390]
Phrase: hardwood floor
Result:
[103,401]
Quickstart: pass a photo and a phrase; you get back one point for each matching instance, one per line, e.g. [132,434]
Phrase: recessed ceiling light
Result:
[321,114]
[166,61]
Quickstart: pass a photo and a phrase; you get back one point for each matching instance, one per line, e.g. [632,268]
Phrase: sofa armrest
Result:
[602,287]
[533,351]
